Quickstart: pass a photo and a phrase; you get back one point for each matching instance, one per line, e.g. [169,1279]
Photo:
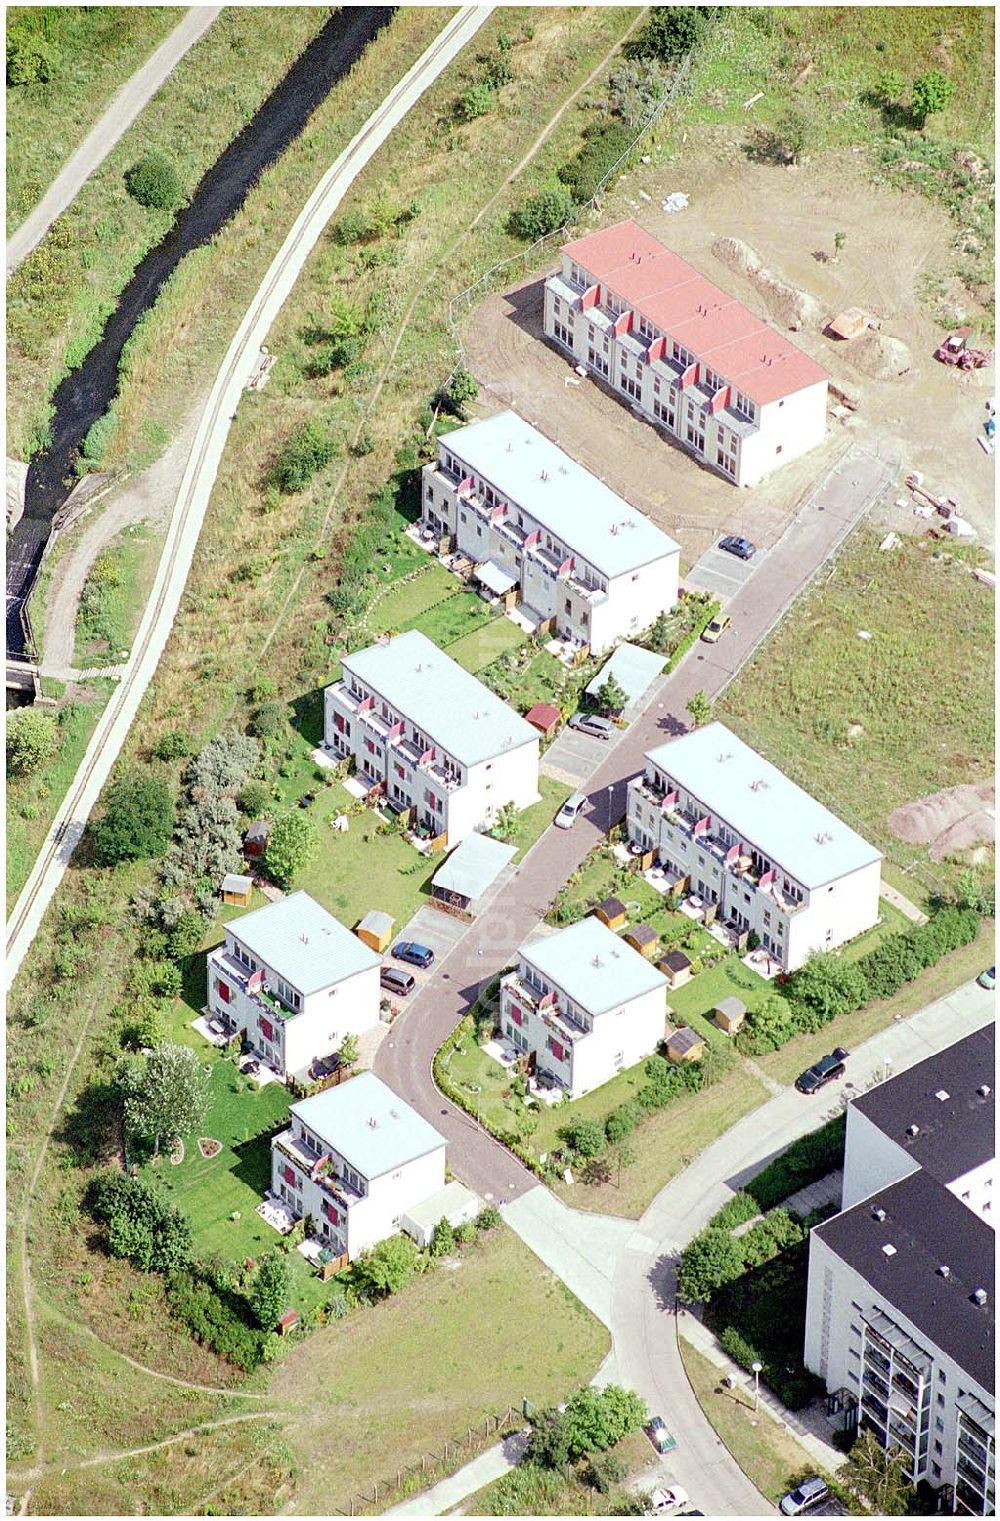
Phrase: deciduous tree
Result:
[165,1095]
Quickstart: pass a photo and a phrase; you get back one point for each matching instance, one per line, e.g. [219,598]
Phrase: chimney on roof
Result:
[984,1090]
[878,1213]
[912,1131]
[944,1270]
[943,1095]
[979,1296]
[889,1249]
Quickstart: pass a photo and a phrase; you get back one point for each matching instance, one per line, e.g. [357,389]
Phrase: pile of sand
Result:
[880,356]
[793,308]
[950,822]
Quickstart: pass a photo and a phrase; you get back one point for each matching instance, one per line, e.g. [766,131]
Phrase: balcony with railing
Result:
[546,1008]
[268,1003]
[318,1166]
[362,709]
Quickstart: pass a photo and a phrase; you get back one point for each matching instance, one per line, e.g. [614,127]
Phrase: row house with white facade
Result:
[688,357]
[900,1320]
[293,981]
[736,832]
[576,552]
[354,1160]
[583,1005]
[435,739]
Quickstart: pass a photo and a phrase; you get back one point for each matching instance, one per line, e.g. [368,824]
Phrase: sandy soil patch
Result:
[951,822]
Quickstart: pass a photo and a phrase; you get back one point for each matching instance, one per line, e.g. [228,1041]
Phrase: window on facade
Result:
[568,605]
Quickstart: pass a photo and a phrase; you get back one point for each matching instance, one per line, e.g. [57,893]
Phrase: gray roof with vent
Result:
[593,966]
[929,1229]
[302,943]
[369,1125]
[763,805]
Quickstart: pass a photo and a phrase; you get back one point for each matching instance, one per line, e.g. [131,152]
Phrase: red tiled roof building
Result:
[688,356]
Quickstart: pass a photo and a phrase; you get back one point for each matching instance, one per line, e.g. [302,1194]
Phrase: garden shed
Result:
[453,1203]
[470,871]
[545,718]
[255,839]
[612,912]
[676,968]
[644,939]
[375,930]
[729,1014]
[237,890]
[685,1045]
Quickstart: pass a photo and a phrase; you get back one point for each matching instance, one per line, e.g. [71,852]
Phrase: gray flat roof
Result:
[452,708]
[929,1228]
[593,966]
[530,471]
[955,1133]
[473,866]
[232,883]
[763,805]
[734,1007]
[303,943]
[632,667]
[342,1118]
[377,922]
[453,1199]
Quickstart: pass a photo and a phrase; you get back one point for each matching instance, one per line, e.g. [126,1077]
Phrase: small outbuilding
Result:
[850,322]
[237,890]
[470,871]
[644,939]
[255,839]
[375,930]
[612,912]
[453,1203]
[288,1322]
[729,1014]
[545,718]
[676,968]
[685,1045]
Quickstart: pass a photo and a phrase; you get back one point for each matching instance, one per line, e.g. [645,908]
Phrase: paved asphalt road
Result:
[122,112]
[199,476]
[405,1058]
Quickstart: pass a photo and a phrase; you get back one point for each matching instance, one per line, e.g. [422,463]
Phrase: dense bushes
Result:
[812,1157]
[670,32]
[32,58]
[604,143]
[217,1319]
[137,821]
[760,1317]
[587,1139]
[154,183]
[141,1224]
[542,213]
[591,1421]
[306,452]
[31,740]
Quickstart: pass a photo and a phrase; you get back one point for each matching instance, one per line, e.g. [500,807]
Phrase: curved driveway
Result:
[122,112]
[199,477]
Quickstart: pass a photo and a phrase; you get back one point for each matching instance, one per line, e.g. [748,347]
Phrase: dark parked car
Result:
[826,1070]
[416,955]
[400,983]
[592,724]
[741,548]
[323,1066]
[660,1436]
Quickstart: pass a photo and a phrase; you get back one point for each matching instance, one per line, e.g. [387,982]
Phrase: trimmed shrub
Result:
[154,183]
[173,746]
[32,739]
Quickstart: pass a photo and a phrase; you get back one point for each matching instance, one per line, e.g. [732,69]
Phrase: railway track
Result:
[199,478]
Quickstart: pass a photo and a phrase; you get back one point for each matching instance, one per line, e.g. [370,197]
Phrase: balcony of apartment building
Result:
[266,1001]
[318,1167]
[363,709]
[545,1006]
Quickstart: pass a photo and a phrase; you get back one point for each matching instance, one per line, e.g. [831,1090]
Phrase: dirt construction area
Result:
[927,418]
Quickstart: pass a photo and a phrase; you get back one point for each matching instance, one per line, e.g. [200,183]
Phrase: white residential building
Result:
[354,1160]
[900,1318]
[536,521]
[293,982]
[714,377]
[583,1005]
[744,837]
[432,736]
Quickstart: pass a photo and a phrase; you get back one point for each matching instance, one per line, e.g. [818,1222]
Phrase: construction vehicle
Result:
[957,352]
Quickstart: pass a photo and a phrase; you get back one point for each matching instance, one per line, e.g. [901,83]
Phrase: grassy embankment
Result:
[60,298]
[199,690]
[99,48]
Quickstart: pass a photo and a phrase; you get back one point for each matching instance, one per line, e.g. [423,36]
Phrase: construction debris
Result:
[676,201]
[891,541]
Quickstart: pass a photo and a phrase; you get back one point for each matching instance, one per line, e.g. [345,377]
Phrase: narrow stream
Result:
[85,395]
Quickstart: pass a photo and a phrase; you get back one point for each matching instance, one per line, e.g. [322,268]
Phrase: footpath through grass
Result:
[99,48]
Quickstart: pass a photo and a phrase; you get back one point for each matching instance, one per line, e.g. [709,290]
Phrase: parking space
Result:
[574,757]
[440,932]
[721,573]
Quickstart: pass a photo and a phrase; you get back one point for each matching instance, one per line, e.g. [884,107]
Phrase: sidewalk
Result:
[809,1427]
[491,1465]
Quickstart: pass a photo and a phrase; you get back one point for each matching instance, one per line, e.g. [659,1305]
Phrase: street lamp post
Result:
[756,1368]
[886,1068]
[479,1090]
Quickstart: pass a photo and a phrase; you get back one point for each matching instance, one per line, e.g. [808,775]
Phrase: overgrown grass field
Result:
[113,598]
[99,48]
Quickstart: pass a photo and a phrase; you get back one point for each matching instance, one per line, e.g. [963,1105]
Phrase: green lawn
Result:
[403,602]
[394,1381]
[770,1457]
[478,648]
[32,801]
[523,678]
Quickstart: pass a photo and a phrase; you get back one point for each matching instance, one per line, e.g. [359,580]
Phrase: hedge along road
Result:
[199,477]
